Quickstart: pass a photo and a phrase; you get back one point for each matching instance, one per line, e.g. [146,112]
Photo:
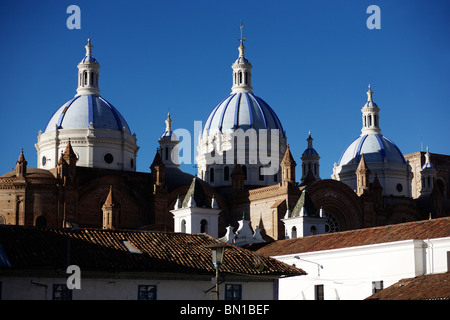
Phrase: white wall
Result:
[41,288]
[348,273]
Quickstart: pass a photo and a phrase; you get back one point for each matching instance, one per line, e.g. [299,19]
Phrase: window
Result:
[183,226]
[294,232]
[244,168]
[377,286]
[2,220]
[275,177]
[399,187]
[211,175]
[146,292]
[318,292]
[203,226]
[41,221]
[108,158]
[61,292]
[226,173]
[167,153]
[233,292]
[448,260]
[261,177]
[44,161]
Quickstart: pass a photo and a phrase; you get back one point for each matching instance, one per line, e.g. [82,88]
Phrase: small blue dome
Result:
[242,110]
[80,111]
[375,147]
[310,152]
[428,166]
[89,59]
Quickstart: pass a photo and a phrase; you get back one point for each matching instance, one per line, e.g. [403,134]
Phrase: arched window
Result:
[167,153]
[275,177]
[370,120]
[91,79]
[183,225]
[244,168]
[240,77]
[85,78]
[226,173]
[375,120]
[203,226]
[41,221]
[211,175]
[2,220]
[261,176]
[293,232]
[313,230]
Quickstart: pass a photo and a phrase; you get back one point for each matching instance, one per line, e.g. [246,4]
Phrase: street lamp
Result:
[217,251]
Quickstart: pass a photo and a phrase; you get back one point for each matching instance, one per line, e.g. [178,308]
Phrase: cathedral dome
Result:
[375,147]
[82,110]
[242,110]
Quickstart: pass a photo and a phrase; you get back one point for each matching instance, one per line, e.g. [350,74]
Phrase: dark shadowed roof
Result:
[119,250]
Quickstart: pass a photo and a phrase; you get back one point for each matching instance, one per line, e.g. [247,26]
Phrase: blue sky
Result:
[312,62]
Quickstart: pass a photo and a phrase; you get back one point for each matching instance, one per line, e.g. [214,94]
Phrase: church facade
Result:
[87,176]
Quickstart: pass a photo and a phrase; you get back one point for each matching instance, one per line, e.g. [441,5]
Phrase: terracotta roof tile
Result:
[424,287]
[435,228]
[98,249]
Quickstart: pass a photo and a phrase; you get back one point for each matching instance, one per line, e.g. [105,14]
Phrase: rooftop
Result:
[423,287]
[424,229]
[23,247]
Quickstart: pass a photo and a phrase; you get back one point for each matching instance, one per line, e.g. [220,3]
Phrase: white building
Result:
[129,265]
[353,265]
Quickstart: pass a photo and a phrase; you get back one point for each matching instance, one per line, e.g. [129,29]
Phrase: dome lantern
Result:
[242,74]
[88,73]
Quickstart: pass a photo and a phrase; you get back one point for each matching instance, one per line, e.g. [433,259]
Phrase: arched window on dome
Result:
[370,120]
[261,176]
[167,153]
[211,175]
[240,77]
[244,169]
[84,78]
[226,173]
[375,120]
[91,78]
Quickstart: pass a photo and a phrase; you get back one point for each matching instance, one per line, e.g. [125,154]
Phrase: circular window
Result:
[399,187]
[44,161]
[108,158]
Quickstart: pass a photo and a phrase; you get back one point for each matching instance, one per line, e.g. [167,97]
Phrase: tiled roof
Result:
[424,287]
[435,228]
[105,250]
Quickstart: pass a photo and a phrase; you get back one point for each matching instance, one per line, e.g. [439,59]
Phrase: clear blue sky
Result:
[312,62]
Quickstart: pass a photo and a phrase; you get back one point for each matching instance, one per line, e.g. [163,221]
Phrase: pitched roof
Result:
[423,287]
[109,250]
[435,228]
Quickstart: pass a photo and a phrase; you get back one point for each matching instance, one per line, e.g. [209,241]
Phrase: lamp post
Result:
[217,251]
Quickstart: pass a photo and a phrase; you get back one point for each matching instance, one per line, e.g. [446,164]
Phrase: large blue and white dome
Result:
[375,147]
[235,131]
[85,111]
[98,133]
[382,157]
[242,110]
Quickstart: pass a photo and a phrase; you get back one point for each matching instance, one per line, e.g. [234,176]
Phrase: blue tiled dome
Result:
[80,111]
[375,147]
[242,110]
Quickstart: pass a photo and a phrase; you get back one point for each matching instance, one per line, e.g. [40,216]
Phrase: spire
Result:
[241,69]
[88,73]
[370,117]
[21,166]
[168,145]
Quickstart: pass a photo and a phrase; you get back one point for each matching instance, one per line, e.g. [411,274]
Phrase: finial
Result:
[89,47]
[168,123]
[369,94]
